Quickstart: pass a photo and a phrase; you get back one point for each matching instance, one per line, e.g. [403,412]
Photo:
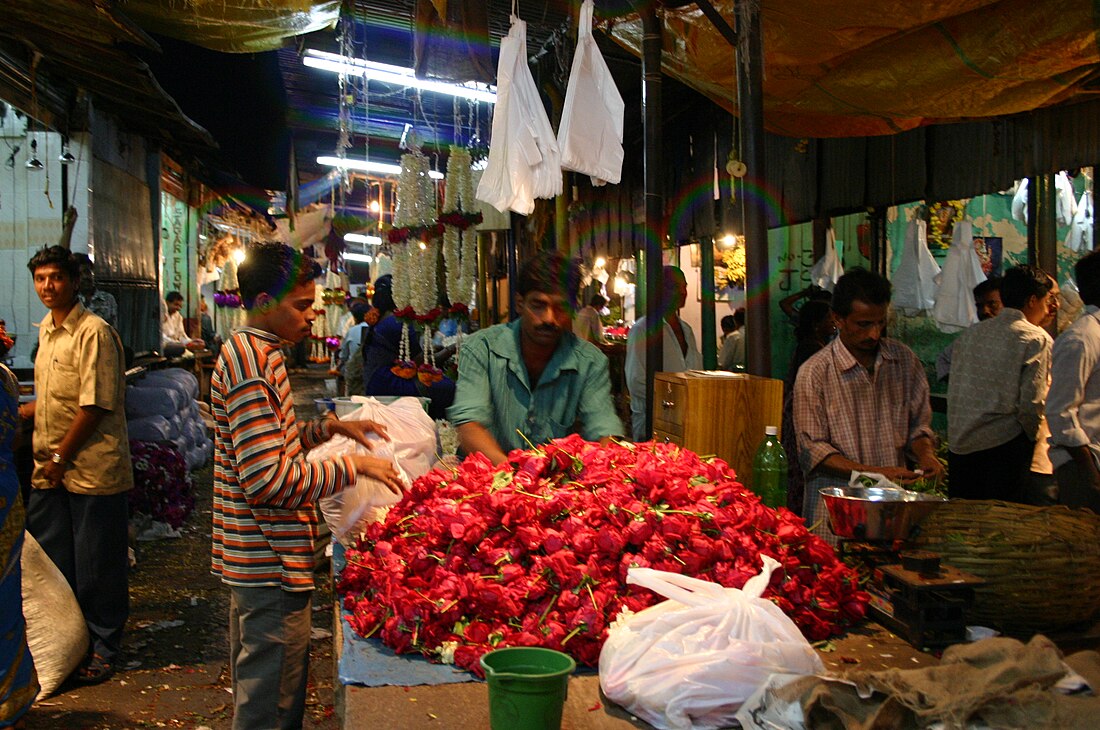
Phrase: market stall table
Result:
[464,704]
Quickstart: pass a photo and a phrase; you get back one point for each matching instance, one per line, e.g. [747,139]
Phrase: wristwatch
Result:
[56,458]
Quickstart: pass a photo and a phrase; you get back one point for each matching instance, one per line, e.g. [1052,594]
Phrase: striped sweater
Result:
[264,490]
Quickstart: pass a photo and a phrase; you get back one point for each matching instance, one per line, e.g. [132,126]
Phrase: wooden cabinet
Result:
[723,414]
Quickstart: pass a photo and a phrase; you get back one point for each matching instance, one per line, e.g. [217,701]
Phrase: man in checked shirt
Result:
[265,491]
[861,403]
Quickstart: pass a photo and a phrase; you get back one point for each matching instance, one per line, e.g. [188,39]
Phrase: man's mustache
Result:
[547,328]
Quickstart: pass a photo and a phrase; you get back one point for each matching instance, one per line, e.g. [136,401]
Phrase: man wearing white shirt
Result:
[680,350]
[173,335]
[1073,402]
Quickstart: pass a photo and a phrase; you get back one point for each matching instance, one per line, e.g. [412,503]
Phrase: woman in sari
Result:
[18,683]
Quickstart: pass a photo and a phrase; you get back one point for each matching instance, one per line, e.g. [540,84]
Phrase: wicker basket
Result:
[1041,564]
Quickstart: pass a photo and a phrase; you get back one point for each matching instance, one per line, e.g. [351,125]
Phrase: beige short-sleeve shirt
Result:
[80,363]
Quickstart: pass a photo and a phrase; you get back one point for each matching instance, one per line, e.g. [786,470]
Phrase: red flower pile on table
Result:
[535,553]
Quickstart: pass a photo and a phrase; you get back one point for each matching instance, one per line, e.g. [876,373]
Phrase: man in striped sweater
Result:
[265,491]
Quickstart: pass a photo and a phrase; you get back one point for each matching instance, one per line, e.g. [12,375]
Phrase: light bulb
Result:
[374,206]
[728,240]
[238,255]
[601,262]
[423,246]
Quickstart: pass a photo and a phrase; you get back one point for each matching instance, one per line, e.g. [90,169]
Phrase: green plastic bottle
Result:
[769,470]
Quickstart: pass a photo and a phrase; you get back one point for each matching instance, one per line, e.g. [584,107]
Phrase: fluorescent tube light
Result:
[397,75]
[383,168]
[360,238]
[364,257]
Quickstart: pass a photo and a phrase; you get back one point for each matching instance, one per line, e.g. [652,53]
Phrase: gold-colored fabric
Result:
[841,68]
[233,26]
[80,363]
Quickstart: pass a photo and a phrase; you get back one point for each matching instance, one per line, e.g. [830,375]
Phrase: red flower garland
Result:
[535,553]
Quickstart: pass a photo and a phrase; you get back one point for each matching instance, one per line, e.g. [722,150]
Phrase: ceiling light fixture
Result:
[360,238]
[397,75]
[364,257]
[382,168]
[33,163]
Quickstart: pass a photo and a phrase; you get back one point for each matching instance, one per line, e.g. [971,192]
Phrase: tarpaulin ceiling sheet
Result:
[845,68]
[233,26]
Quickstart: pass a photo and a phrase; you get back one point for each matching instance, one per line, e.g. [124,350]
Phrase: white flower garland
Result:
[414,261]
[459,247]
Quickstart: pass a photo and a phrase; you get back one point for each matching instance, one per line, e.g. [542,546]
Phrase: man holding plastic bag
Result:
[265,491]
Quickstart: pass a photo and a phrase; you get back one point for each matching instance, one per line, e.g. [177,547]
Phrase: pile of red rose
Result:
[535,552]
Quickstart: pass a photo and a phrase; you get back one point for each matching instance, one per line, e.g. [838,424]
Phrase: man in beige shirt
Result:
[77,509]
[998,386]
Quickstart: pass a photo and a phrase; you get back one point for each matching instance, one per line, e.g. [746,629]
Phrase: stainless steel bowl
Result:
[876,513]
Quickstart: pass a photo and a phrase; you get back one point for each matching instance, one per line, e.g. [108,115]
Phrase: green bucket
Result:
[527,687]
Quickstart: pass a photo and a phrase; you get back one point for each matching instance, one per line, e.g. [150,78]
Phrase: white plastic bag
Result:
[1080,232]
[689,662]
[411,431]
[365,501]
[524,162]
[828,269]
[915,280]
[590,135]
[962,271]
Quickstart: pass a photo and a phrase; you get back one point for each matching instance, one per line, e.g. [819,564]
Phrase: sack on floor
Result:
[690,661]
[56,632]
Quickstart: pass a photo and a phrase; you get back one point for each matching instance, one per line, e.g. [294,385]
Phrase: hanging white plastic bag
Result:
[1080,232]
[524,162]
[828,269]
[690,661]
[590,135]
[962,271]
[915,279]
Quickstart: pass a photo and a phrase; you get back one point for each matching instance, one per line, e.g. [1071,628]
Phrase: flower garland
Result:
[459,232]
[414,252]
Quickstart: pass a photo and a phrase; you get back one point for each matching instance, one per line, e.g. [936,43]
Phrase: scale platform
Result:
[926,609]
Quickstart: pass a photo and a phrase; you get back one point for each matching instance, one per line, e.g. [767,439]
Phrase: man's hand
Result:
[932,468]
[381,469]
[54,473]
[358,431]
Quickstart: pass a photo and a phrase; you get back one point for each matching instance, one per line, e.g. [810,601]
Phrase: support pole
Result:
[1042,226]
[878,241]
[820,235]
[750,95]
[512,243]
[656,296]
[710,338]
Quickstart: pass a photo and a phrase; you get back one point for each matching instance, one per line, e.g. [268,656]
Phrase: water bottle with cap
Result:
[769,470]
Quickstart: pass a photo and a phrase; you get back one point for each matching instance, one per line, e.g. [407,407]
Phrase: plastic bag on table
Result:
[689,662]
[915,279]
[828,269]
[365,501]
[962,271]
[590,135]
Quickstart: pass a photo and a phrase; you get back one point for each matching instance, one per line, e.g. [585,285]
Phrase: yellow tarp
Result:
[233,26]
[841,68]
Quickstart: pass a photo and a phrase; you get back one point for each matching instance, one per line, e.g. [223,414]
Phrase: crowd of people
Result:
[857,400]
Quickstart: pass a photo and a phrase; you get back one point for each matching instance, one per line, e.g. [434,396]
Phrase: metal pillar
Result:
[512,243]
[656,296]
[710,338]
[878,241]
[750,95]
[820,236]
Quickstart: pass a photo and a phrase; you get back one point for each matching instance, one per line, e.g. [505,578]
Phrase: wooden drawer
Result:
[670,405]
[667,437]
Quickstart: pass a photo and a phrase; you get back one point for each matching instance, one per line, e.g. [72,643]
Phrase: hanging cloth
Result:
[828,269]
[915,280]
[1080,231]
[590,136]
[524,162]
[962,271]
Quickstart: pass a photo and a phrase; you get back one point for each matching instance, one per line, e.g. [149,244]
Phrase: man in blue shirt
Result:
[533,379]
